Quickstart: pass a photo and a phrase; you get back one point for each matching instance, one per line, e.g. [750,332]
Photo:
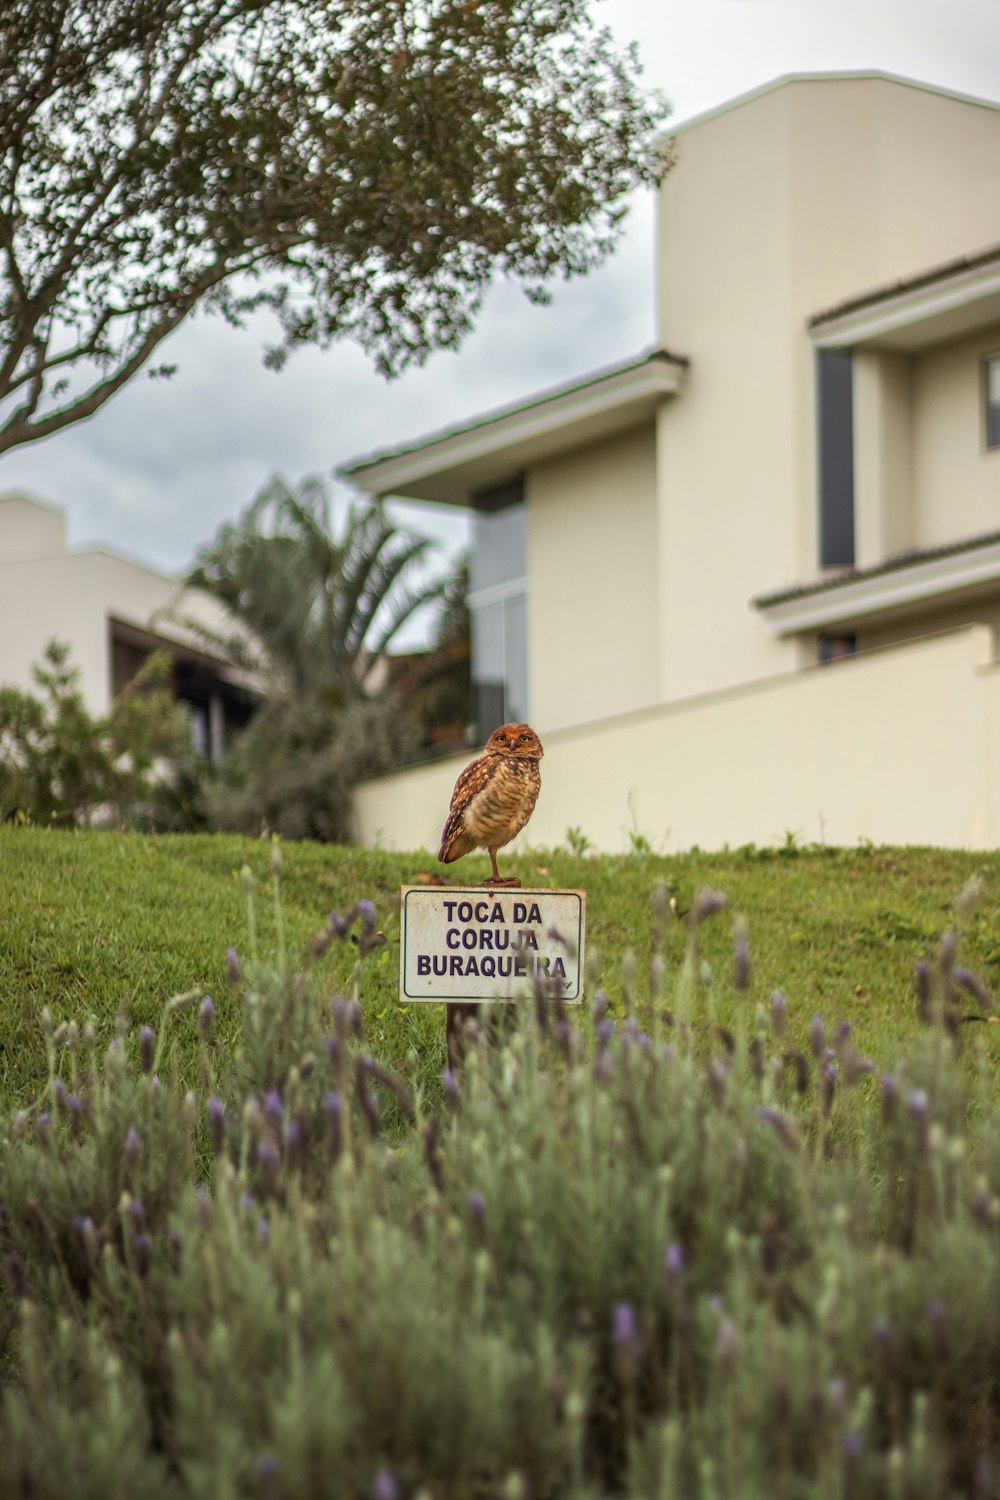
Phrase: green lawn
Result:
[244,1257]
[95,924]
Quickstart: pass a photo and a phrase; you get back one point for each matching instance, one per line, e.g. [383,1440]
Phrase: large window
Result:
[498,603]
[991,400]
[835,422]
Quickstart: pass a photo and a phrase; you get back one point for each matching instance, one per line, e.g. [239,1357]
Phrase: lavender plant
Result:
[638,1254]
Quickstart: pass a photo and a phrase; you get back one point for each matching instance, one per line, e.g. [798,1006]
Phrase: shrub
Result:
[59,764]
[630,1256]
[294,767]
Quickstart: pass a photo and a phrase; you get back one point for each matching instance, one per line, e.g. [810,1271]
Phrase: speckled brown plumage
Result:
[494,797]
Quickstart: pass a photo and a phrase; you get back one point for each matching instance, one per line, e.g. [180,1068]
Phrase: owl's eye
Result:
[523,738]
[502,738]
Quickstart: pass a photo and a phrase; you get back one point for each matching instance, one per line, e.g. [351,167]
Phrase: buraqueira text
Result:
[464,945]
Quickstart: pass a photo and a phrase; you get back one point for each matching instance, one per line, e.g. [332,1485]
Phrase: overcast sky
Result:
[157,470]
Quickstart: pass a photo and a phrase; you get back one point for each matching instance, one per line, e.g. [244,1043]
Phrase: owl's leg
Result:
[497,878]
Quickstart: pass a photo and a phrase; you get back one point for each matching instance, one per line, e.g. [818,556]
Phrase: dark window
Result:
[991,400]
[835,421]
[837,647]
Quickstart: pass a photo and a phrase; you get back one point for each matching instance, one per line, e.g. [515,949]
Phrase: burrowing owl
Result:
[494,797]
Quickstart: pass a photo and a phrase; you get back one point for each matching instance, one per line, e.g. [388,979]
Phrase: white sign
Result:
[483,944]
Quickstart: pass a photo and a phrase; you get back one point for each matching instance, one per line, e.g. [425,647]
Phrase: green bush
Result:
[294,767]
[60,764]
[638,1257]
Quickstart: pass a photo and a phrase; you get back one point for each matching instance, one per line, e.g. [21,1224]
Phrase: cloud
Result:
[166,462]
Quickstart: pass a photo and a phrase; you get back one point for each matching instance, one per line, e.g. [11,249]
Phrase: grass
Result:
[264,1248]
[97,925]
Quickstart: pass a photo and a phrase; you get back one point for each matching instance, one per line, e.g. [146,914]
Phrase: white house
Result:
[748,584]
[112,613]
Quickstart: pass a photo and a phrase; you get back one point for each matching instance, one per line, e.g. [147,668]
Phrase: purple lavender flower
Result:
[216,1123]
[269,1161]
[828,1086]
[836,1397]
[450,1085]
[205,1206]
[338,1009]
[83,1228]
[75,1109]
[133,1145]
[817,1036]
[889,1089]
[985,1478]
[263,1231]
[206,1015]
[232,966]
[59,1094]
[718,1079]
[140,1250]
[980,1206]
[294,1138]
[727,1344]
[147,1044]
[477,1209]
[274,1109]
[673,1261]
[707,903]
[779,1013]
[974,987]
[919,1110]
[267,1472]
[137,1214]
[784,1127]
[384,1485]
[599,1008]
[852,1448]
[625,1341]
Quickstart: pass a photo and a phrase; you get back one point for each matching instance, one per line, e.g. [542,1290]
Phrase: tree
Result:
[58,764]
[436,684]
[316,614]
[318,611]
[359,167]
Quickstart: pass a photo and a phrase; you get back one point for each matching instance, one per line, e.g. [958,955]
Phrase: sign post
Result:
[490,944]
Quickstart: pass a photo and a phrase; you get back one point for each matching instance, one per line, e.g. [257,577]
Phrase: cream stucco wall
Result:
[29,528]
[726,465]
[46,593]
[885,523]
[956,481]
[779,207]
[920,763]
[592,550]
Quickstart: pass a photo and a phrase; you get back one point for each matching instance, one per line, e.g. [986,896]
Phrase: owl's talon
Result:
[508,880]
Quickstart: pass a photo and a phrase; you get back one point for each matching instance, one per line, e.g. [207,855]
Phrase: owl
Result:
[494,797]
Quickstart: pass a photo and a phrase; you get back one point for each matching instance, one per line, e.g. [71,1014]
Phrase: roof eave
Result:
[854,600]
[933,310]
[451,467]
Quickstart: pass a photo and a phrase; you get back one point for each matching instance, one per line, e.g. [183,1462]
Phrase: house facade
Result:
[112,613]
[747,585]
